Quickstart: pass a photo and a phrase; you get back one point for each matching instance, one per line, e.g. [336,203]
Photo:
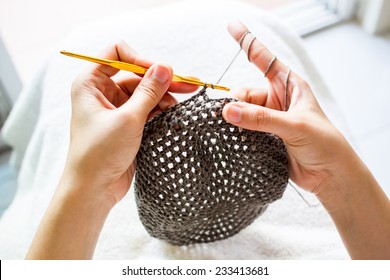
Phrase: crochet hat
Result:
[201,179]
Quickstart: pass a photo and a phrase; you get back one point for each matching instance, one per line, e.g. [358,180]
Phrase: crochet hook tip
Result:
[219,87]
[64,52]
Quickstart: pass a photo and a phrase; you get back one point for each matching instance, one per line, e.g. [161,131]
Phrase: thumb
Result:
[254,117]
[150,90]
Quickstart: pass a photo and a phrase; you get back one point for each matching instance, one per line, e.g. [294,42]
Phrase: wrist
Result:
[81,188]
[359,208]
[342,182]
[71,226]
[82,193]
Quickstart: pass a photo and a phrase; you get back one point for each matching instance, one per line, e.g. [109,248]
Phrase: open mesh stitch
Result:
[201,179]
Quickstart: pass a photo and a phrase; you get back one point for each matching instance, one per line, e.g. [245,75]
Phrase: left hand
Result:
[293,114]
[108,117]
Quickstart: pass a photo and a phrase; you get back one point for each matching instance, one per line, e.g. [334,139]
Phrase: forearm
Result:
[71,226]
[360,210]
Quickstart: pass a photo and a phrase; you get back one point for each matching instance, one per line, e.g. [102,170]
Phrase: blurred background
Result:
[348,40]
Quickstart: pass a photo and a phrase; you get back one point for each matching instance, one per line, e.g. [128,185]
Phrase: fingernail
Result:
[234,114]
[161,74]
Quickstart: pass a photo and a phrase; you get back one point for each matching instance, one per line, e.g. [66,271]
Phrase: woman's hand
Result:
[108,118]
[314,145]
[320,159]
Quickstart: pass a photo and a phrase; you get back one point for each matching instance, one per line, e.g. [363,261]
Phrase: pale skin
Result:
[108,117]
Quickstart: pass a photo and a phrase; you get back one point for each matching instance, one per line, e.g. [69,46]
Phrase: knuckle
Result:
[304,85]
[150,91]
[299,81]
[261,118]
[128,117]
[301,124]
[256,54]
[245,90]
[243,94]
[78,81]
[79,84]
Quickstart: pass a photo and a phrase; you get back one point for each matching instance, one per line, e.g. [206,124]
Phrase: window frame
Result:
[309,16]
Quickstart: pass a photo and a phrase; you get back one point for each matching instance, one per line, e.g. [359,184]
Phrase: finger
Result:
[166,102]
[154,112]
[183,87]
[258,53]
[252,95]
[150,90]
[120,51]
[254,117]
[129,84]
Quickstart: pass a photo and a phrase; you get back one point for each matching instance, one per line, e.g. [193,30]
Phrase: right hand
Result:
[108,117]
[316,149]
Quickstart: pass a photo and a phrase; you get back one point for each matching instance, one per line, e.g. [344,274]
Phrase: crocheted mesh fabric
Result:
[201,179]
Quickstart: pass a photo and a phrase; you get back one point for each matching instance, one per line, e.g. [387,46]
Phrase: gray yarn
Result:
[201,179]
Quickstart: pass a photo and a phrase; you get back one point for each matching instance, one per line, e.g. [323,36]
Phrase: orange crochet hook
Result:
[140,69]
